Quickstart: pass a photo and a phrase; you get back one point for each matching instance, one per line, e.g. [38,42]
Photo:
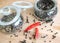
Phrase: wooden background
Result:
[44,29]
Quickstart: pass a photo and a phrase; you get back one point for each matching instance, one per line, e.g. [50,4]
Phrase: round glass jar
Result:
[11,19]
[45,10]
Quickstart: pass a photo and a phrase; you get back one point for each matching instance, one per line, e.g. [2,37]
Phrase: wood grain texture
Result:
[45,30]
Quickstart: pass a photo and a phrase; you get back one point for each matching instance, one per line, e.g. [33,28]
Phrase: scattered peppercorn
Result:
[19,30]
[51,31]
[34,20]
[52,23]
[53,36]
[10,35]
[24,41]
[50,41]
[25,37]
[56,33]
[45,26]
[9,41]
[30,38]
[44,41]
[44,36]
[15,35]
[27,21]
[42,28]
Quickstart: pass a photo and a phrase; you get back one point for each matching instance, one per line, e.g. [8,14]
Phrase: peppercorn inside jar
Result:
[45,10]
[10,19]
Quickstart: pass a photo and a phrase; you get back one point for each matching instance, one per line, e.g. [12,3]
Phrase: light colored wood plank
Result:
[6,38]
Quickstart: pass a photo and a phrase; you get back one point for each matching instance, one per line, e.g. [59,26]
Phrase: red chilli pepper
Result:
[32,26]
[36,33]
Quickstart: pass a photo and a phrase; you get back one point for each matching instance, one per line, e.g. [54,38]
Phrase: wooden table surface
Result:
[52,33]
